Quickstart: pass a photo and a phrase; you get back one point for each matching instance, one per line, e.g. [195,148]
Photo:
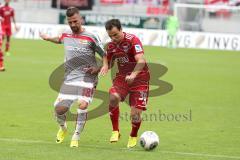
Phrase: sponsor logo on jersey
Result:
[82,50]
[138,48]
[7,13]
[123,59]
[83,41]
[125,46]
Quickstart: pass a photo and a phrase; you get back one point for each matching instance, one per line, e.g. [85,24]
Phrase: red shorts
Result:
[138,91]
[6,30]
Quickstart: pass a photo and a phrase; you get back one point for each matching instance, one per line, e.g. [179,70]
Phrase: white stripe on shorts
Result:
[80,84]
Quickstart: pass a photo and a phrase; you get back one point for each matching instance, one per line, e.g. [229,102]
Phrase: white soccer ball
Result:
[149,140]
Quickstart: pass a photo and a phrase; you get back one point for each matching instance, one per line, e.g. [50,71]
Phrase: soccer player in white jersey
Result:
[81,73]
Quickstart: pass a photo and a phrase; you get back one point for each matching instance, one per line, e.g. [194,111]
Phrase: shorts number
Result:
[143,97]
[87,92]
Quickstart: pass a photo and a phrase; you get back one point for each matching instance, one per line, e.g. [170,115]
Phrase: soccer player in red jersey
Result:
[133,78]
[1,52]
[7,13]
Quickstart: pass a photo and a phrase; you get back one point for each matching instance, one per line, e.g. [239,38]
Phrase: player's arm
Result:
[1,15]
[141,62]
[14,21]
[104,68]
[100,50]
[110,63]
[50,39]
[1,18]
[110,59]
[138,53]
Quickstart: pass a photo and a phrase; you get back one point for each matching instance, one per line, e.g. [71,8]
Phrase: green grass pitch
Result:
[206,84]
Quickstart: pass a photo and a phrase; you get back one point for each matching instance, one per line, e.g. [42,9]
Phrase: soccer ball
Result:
[149,140]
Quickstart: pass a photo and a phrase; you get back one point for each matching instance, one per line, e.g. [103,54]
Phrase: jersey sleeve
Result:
[61,36]
[109,54]
[137,46]
[99,47]
[1,12]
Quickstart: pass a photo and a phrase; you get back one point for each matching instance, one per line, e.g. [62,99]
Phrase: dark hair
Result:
[113,23]
[71,11]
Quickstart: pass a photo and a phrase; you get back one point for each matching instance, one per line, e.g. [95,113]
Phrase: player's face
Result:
[115,34]
[75,23]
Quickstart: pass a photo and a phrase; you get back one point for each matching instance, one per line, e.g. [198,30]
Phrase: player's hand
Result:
[91,70]
[130,78]
[103,70]
[43,36]
[17,28]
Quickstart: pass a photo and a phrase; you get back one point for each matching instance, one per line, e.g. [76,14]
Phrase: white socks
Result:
[81,120]
[61,120]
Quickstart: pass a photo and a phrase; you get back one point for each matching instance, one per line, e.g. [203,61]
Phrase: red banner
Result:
[111,1]
[81,4]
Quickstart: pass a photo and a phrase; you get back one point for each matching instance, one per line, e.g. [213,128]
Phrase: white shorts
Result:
[75,91]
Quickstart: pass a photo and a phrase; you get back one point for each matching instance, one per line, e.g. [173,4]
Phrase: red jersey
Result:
[124,53]
[6,12]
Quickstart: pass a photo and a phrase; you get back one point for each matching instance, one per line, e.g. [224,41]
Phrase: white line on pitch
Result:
[203,155]
[102,147]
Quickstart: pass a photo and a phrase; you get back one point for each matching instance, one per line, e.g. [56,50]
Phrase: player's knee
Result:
[135,115]
[83,105]
[135,118]
[114,99]
[61,110]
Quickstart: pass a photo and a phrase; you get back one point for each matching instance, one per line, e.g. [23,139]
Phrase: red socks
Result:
[114,115]
[135,127]
[7,47]
[1,59]
[1,56]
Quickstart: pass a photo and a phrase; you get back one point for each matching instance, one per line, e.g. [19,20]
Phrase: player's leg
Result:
[138,100]
[170,41]
[1,55]
[8,37]
[135,120]
[81,119]
[1,61]
[85,96]
[117,93]
[114,99]
[65,99]
[61,108]
[60,113]
[172,38]
[136,123]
